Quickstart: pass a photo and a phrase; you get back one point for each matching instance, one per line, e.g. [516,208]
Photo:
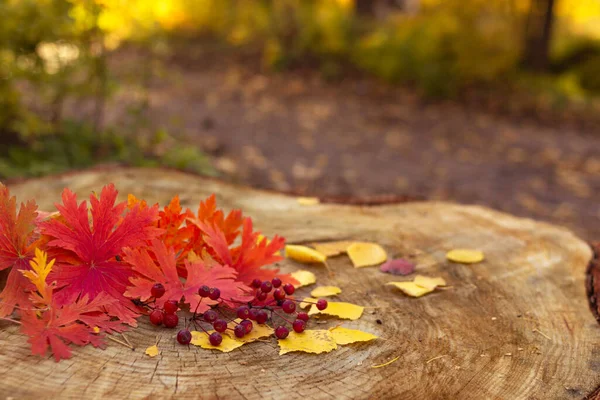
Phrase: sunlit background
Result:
[485,101]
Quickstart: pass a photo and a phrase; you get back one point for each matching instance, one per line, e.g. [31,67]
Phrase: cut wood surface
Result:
[516,326]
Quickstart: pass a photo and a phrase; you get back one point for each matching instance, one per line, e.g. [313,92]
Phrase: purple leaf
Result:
[398,266]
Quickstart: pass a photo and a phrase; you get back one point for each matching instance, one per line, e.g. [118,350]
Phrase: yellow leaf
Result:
[258,331]
[309,341]
[366,254]
[429,283]
[331,249]
[96,329]
[339,309]
[304,254]
[228,344]
[465,256]
[304,278]
[307,302]
[343,335]
[411,288]
[308,201]
[40,269]
[152,351]
[323,291]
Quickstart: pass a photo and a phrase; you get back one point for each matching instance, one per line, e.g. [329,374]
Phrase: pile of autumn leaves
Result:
[105,255]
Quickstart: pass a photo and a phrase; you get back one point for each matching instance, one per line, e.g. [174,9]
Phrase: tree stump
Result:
[516,326]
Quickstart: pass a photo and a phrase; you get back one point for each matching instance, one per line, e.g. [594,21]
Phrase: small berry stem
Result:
[11,320]
[280,316]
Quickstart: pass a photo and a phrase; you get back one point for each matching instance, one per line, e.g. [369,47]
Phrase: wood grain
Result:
[516,326]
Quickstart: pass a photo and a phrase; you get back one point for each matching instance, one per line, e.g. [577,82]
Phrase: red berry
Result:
[210,316]
[281,332]
[276,282]
[299,326]
[184,336]
[215,338]
[171,320]
[303,316]
[239,331]
[247,324]
[278,294]
[220,325]
[289,289]
[266,286]
[243,312]
[261,296]
[214,293]
[253,314]
[203,291]
[321,304]
[157,290]
[156,317]
[262,317]
[288,306]
[171,307]
[256,283]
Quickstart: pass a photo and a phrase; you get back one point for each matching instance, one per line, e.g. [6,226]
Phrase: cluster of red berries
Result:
[270,299]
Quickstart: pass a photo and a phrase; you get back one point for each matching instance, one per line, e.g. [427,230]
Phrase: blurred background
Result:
[492,102]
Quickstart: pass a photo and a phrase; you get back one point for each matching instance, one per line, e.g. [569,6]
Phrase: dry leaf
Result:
[228,344]
[152,351]
[304,278]
[343,335]
[258,331]
[307,302]
[366,254]
[465,256]
[308,201]
[398,266]
[429,283]
[309,341]
[411,288]
[324,291]
[331,249]
[304,254]
[339,309]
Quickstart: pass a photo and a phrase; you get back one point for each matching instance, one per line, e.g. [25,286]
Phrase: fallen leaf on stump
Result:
[258,331]
[420,286]
[363,254]
[324,291]
[343,335]
[308,201]
[331,249]
[228,344]
[152,351]
[307,302]
[398,266]
[465,256]
[304,254]
[339,309]
[429,283]
[304,278]
[309,341]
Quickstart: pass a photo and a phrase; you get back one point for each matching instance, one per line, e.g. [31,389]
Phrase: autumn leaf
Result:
[331,249]
[228,344]
[17,237]
[339,309]
[365,254]
[303,278]
[324,291]
[152,351]
[308,201]
[40,269]
[304,254]
[398,266]
[465,256]
[309,341]
[343,335]
[258,331]
[87,250]
[429,283]
[420,286]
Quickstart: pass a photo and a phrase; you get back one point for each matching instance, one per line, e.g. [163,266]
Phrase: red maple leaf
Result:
[80,322]
[164,271]
[87,251]
[17,246]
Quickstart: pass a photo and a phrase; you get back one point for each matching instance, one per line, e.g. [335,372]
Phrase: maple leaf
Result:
[164,271]
[86,250]
[17,237]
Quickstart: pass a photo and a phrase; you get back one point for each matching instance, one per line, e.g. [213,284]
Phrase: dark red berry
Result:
[256,283]
[278,294]
[299,326]
[214,293]
[215,338]
[156,317]
[157,290]
[266,286]
[171,307]
[210,316]
[289,289]
[303,316]
[220,325]
[184,336]
[276,282]
[288,306]
[171,320]
[262,317]
[239,331]
[247,324]
[204,291]
[281,332]
[253,314]
[243,312]
[261,296]
[321,304]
